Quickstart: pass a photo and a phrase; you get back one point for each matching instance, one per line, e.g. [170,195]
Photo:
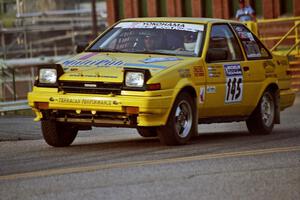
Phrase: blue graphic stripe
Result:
[145,65]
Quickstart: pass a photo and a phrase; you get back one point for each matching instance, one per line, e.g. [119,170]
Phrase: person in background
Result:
[245,13]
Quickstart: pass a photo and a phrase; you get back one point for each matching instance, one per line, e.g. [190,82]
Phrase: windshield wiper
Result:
[154,52]
[108,50]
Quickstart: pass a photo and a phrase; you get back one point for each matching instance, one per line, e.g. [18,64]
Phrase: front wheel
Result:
[262,119]
[58,134]
[181,123]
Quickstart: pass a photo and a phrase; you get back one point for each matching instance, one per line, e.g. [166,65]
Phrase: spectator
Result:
[245,13]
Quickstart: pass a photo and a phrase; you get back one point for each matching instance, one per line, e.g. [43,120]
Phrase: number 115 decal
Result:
[234,83]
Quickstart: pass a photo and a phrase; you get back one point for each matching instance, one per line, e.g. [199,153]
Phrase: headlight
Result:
[48,75]
[134,79]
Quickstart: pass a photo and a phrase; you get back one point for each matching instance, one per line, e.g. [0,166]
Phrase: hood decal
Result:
[89,55]
[164,59]
[107,63]
[144,65]
[98,63]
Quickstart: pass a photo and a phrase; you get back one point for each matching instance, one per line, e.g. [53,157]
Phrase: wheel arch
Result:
[188,88]
[185,86]
[274,89]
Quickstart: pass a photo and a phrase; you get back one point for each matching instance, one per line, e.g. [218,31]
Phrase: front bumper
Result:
[150,108]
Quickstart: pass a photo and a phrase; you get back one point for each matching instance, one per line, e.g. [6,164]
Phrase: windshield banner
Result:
[162,25]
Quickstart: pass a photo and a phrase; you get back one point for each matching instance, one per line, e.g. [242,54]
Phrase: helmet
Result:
[190,41]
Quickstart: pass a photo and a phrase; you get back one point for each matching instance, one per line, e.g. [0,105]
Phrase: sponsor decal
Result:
[250,36]
[252,49]
[271,75]
[202,95]
[74,69]
[198,71]
[96,102]
[214,72]
[162,25]
[152,60]
[92,76]
[88,55]
[184,73]
[233,70]
[76,75]
[211,89]
[234,83]
[269,64]
[98,63]
[103,102]
[107,63]
[107,76]
[144,65]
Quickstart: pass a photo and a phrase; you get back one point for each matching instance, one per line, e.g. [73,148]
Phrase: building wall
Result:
[268,9]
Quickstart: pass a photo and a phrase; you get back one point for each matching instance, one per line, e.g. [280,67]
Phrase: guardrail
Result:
[297,41]
[13,106]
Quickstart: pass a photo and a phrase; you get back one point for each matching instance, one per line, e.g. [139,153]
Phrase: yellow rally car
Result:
[163,76]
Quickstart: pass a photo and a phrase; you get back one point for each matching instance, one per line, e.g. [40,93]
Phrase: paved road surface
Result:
[224,162]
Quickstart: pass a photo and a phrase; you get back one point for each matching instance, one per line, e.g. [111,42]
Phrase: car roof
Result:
[182,19]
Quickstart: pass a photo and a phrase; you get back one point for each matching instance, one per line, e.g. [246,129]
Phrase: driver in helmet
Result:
[189,41]
[149,42]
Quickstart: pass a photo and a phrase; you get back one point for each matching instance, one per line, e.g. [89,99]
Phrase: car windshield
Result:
[169,38]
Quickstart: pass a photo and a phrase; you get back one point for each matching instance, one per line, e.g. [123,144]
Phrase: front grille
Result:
[90,87]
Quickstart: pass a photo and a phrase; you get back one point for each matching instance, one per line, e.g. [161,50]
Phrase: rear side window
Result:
[223,45]
[254,49]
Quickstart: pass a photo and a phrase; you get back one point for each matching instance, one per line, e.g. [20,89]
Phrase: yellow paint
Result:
[173,76]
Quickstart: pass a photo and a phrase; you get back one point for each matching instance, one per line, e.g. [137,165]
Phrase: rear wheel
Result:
[262,119]
[58,134]
[181,123]
[147,131]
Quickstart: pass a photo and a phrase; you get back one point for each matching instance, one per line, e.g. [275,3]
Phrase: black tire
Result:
[262,119]
[58,134]
[147,131]
[181,124]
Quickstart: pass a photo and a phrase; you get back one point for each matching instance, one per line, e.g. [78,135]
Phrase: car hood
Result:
[109,67]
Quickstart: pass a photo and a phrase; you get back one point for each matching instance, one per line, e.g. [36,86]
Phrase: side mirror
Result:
[80,47]
[216,54]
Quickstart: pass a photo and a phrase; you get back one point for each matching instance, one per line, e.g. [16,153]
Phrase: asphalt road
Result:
[224,162]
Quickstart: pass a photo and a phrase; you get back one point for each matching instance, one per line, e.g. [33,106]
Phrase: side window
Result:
[254,49]
[223,45]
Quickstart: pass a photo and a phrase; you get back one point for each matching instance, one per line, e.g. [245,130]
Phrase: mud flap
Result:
[277,107]
[195,132]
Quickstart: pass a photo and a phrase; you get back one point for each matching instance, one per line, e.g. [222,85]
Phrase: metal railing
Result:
[13,106]
[17,76]
[291,34]
[286,36]
[48,33]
